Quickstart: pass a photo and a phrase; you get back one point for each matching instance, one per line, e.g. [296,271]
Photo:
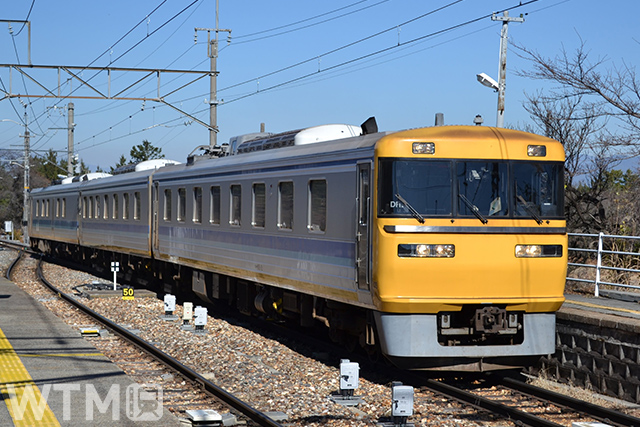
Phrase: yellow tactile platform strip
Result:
[604,307]
[24,401]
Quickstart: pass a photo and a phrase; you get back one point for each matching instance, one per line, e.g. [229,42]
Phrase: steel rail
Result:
[494,407]
[605,415]
[13,264]
[244,408]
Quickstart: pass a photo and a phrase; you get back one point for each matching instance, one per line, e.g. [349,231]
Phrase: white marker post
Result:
[115,267]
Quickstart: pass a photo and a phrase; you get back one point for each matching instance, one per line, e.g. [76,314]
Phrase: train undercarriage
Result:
[460,341]
[352,327]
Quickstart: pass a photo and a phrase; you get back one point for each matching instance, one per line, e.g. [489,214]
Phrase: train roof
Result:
[313,147]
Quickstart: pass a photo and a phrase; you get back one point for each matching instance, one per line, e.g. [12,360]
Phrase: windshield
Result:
[424,186]
[536,189]
[486,189]
[484,184]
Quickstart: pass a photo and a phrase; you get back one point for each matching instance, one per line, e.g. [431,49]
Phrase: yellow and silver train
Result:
[441,248]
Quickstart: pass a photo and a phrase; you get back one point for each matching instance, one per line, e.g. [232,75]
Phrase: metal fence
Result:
[598,253]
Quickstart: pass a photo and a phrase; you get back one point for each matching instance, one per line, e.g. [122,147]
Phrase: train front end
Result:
[469,247]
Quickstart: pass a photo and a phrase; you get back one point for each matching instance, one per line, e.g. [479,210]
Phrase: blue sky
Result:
[404,86]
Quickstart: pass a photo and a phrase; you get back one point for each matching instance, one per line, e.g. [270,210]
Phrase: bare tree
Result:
[594,112]
[567,120]
[613,92]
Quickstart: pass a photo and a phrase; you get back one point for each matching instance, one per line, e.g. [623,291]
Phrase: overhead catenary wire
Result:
[378,52]
[131,48]
[309,25]
[331,51]
[326,53]
[26,19]
[119,103]
[117,42]
[343,64]
[30,104]
[299,22]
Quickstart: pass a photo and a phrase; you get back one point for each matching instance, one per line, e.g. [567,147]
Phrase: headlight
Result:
[536,151]
[538,251]
[427,251]
[423,148]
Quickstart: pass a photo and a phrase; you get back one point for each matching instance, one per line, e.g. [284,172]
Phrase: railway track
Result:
[162,359]
[525,404]
[498,398]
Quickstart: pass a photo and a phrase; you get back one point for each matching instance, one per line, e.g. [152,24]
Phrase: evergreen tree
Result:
[145,151]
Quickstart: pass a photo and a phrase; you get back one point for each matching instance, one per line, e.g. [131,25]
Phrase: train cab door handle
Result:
[358,236]
[358,261]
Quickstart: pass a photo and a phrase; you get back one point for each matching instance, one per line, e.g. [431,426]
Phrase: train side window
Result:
[214,208]
[136,205]
[37,208]
[363,197]
[85,202]
[48,212]
[258,202]
[105,208]
[125,206]
[235,205]
[285,205]
[317,219]
[167,204]
[97,211]
[115,206]
[182,204]
[64,208]
[57,208]
[197,205]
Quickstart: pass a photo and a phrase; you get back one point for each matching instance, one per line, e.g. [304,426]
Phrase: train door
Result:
[363,218]
[79,217]
[154,218]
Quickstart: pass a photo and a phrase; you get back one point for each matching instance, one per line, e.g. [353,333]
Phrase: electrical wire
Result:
[309,25]
[169,37]
[24,83]
[155,31]
[343,64]
[4,89]
[26,19]
[354,69]
[126,34]
[299,22]
[115,44]
[134,46]
[315,58]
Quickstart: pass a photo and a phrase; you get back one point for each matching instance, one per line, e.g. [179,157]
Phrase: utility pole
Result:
[25,193]
[502,69]
[70,127]
[212,52]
